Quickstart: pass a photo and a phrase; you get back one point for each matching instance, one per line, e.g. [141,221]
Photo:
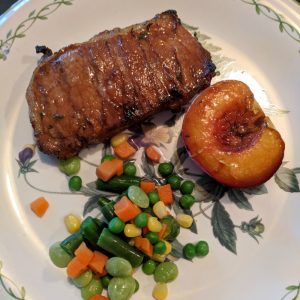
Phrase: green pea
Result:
[138,196]
[189,251]
[141,220]
[187,187]
[153,198]
[165,169]
[107,157]
[160,247]
[129,169]
[105,281]
[187,201]
[174,181]
[149,267]
[59,256]
[152,237]
[137,286]
[166,272]
[121,288]
[70,166]
[202,248]
[75,183]
[93,288]
[84,279]
[118,267]
[116,225]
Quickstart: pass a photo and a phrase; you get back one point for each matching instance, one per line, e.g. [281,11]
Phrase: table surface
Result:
[5,4]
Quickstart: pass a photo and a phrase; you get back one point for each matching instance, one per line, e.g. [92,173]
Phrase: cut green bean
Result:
[72,242]
[116,246]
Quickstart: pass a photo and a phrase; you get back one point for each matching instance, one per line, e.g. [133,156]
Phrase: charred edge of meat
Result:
[130,112]
[211,69]
[175,93]
[43,49]
[170,12]
[47,53]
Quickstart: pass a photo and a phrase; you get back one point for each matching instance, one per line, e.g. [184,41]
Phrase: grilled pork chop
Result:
[87,92]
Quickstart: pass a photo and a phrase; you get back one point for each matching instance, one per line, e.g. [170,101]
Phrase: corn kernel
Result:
[72,223]
[184,220]
[158,257]
[169,248]
[160,209]
[160,291]
[154,225]
[119,139]
[131,230]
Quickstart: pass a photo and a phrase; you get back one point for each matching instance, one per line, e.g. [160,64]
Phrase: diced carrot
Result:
[147,247]
[163,231]
[98,262]
[75,267]
[84,254]
[120,167]
[39,206]
[103,273]
[147,186]
[109,168]
[124,150]
[125,209]
[153,154]
[138,241]
[144,245]
[98,297]
[165,194]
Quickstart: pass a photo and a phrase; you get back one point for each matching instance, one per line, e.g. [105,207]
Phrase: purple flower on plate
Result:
[25,154]
[24,161]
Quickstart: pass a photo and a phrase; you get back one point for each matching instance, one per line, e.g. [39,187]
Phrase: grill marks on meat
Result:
[85,93]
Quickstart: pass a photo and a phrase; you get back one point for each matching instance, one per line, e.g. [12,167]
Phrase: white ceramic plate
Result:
[257,42]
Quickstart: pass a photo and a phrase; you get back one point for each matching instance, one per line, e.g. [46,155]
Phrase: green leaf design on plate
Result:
[10,286]
[270,13]
[90,205]
[291,289]
[147,166]
[296,170]
[177,249]
[211,189]
[9,34]
[257,9]
[258,190]
[26,24]
[26,167]
[287,180]
[179,156]
[239,199]
[31,13]
[189,27]
[223,227]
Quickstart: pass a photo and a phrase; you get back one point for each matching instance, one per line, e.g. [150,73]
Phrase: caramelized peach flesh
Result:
[227,133]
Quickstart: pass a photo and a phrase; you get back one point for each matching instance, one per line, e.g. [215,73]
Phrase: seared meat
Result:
[87,92]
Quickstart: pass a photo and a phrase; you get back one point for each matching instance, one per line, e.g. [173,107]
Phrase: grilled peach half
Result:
[227,133]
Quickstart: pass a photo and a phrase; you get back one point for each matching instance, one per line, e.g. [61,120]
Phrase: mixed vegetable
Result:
[136,229]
